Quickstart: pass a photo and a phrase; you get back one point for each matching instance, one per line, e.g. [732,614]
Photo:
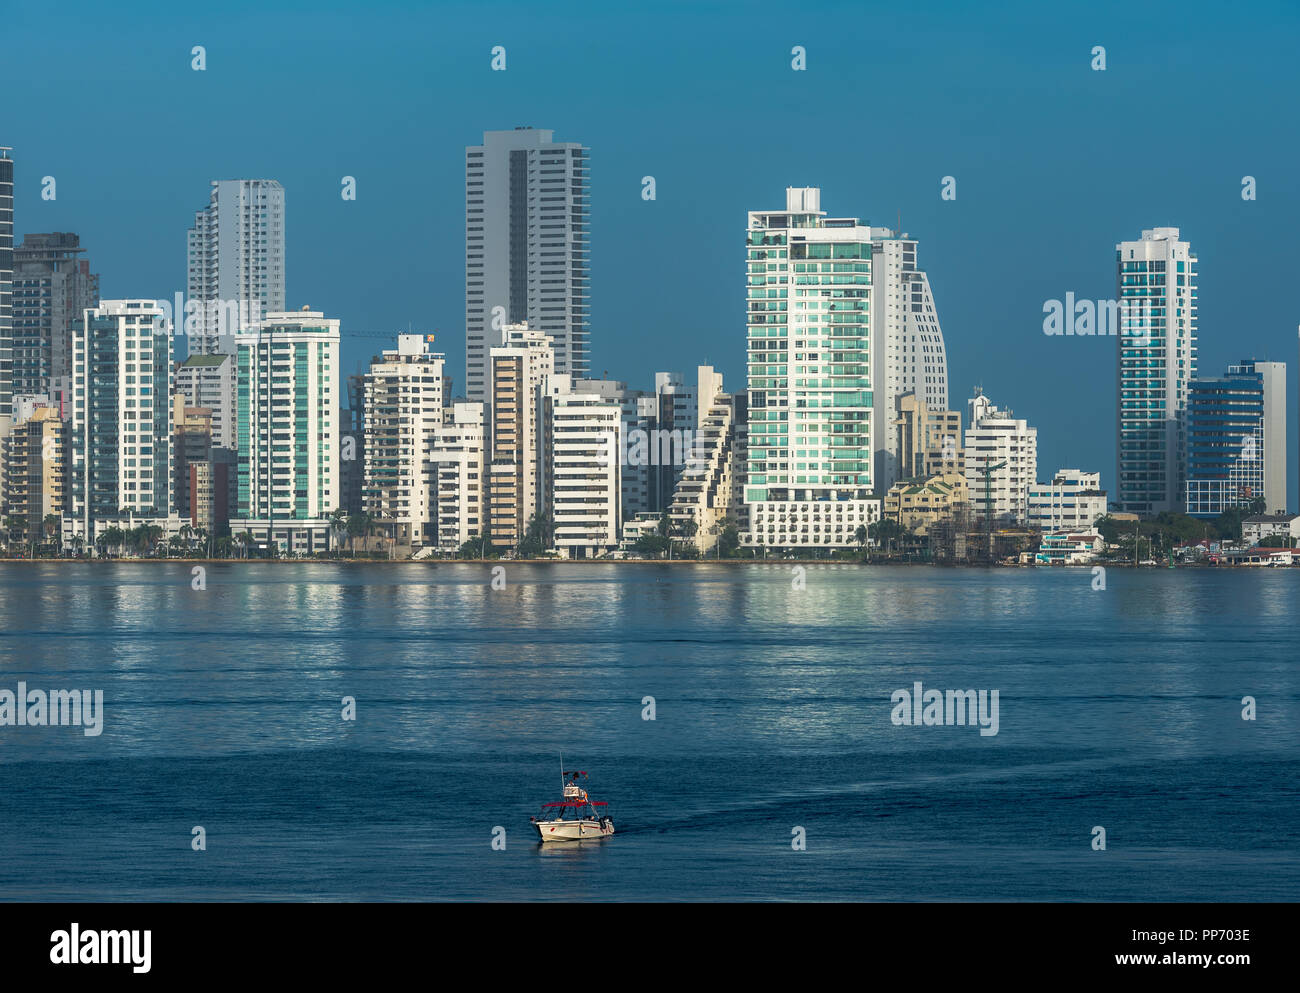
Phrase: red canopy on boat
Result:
[594,803]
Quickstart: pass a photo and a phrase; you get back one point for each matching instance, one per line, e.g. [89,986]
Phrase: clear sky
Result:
[1054,162]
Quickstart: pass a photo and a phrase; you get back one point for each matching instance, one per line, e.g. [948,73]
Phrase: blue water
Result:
[1118,707]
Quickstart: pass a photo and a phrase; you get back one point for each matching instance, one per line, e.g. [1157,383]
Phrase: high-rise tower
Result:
[810,403]
[907,349]
[121,439]
[235,263]
[6,286]
[53,288]
[1157,362]
[527,254]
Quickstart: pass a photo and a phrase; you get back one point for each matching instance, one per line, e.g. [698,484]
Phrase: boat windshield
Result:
[568,811]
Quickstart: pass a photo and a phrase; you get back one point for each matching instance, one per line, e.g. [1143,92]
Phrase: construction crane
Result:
[988,471]
[389,335]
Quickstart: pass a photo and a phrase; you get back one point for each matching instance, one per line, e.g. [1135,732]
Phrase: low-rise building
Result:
[801,525]
[292,536]
[1069,549]
[1072,501]
[1261,557]
[1256,529]
[919,505]
[88,536]
[637,527]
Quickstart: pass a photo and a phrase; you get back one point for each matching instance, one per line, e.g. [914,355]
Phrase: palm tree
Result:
[77,541]
[53,526]
[689,529]
[666,531]
[185,534]
[359,526]
[111,537]
[338,524]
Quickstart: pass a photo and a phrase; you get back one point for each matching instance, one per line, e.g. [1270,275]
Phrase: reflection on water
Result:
[772,709]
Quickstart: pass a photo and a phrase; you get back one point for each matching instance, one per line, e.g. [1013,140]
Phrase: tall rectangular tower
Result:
[458,463]
[1276,457]
[121,444]
[404,408]
[1236,440]
[6,287]
[235,262]
[53,288]
[287,385]
[519,369]
[527,253]
[907,348]
[810,401]
[580,469]
[1156,364]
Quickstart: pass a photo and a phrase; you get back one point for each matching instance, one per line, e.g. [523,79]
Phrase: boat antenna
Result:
[561,770]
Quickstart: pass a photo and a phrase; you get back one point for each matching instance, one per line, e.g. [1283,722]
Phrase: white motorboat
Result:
[576,817]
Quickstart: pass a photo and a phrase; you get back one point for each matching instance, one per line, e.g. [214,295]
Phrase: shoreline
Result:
[619,562]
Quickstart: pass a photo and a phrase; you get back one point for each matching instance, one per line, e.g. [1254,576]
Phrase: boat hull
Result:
[573,830]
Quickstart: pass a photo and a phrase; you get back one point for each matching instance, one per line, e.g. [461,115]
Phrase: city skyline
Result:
[992,324]
[892,264]
[855,445]
[1028,135]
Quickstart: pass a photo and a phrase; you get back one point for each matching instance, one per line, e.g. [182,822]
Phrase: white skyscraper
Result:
[581,479]
[6,288]
[519,368]
[121,446]
[403,396]
[1008,449]
[458,465]
[527,255]
[288,428]
[235,262]
[907,350]
[1276,456]
[1157,362]
[810,403]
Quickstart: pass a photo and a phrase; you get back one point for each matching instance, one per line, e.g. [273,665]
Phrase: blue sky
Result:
[1054,162]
